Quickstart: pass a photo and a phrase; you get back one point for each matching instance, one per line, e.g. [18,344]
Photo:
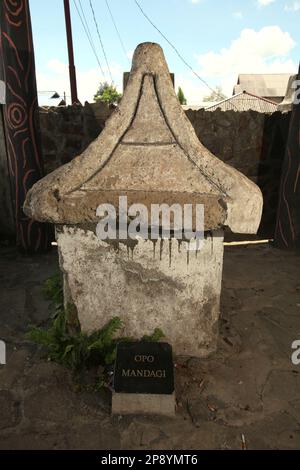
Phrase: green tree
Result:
[181,97]
[108,94]
[216,95]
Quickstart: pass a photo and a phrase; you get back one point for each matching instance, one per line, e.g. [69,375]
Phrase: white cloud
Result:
[195,1]
[56,79]
[263,51]
[295,6]
[193,90]
[54,65]
[130,54]
[238,15]
[264,3]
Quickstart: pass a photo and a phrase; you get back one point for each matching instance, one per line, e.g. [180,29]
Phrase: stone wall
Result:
[67,131]
[252,142]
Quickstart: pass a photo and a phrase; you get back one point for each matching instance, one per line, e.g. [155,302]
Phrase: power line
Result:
[86,22]
[90,34]
[176,50]
[101,43]
[89,38]
[117,31]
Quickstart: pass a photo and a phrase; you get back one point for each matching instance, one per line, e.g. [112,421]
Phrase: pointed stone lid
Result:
[149,152]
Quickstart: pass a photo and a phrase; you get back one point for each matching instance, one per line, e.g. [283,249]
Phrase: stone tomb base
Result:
[148,285]
[142,403]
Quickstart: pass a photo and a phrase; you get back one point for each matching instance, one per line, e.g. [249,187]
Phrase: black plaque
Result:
[144,367]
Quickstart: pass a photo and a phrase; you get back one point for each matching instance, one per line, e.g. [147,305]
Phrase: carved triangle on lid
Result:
[149,125]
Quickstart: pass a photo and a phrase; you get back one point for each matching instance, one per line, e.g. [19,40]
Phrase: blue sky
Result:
[218,38]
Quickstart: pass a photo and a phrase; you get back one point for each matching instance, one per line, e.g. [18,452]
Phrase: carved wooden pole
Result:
[287,234]
[21,118]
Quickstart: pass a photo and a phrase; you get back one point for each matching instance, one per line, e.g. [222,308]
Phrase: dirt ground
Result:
[249,390]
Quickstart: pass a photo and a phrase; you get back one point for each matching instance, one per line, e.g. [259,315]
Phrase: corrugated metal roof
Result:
[267,85]
[244,102]
[201,105]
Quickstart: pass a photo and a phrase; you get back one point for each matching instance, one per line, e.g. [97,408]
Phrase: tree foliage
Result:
[181,97]
[107,94]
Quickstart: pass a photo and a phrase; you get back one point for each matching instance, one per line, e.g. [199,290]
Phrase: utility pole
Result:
[72,69]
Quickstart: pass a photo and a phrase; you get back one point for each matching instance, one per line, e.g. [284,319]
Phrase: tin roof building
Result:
[271,86]
[245,101]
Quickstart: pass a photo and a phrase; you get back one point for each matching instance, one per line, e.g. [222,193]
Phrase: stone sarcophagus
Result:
[148,155]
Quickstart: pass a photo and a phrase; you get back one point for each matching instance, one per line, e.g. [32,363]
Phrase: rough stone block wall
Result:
[253,143]
[67,131]
[236,138]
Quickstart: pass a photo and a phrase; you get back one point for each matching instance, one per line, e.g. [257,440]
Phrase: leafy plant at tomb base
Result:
[53,291]
[80,352]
